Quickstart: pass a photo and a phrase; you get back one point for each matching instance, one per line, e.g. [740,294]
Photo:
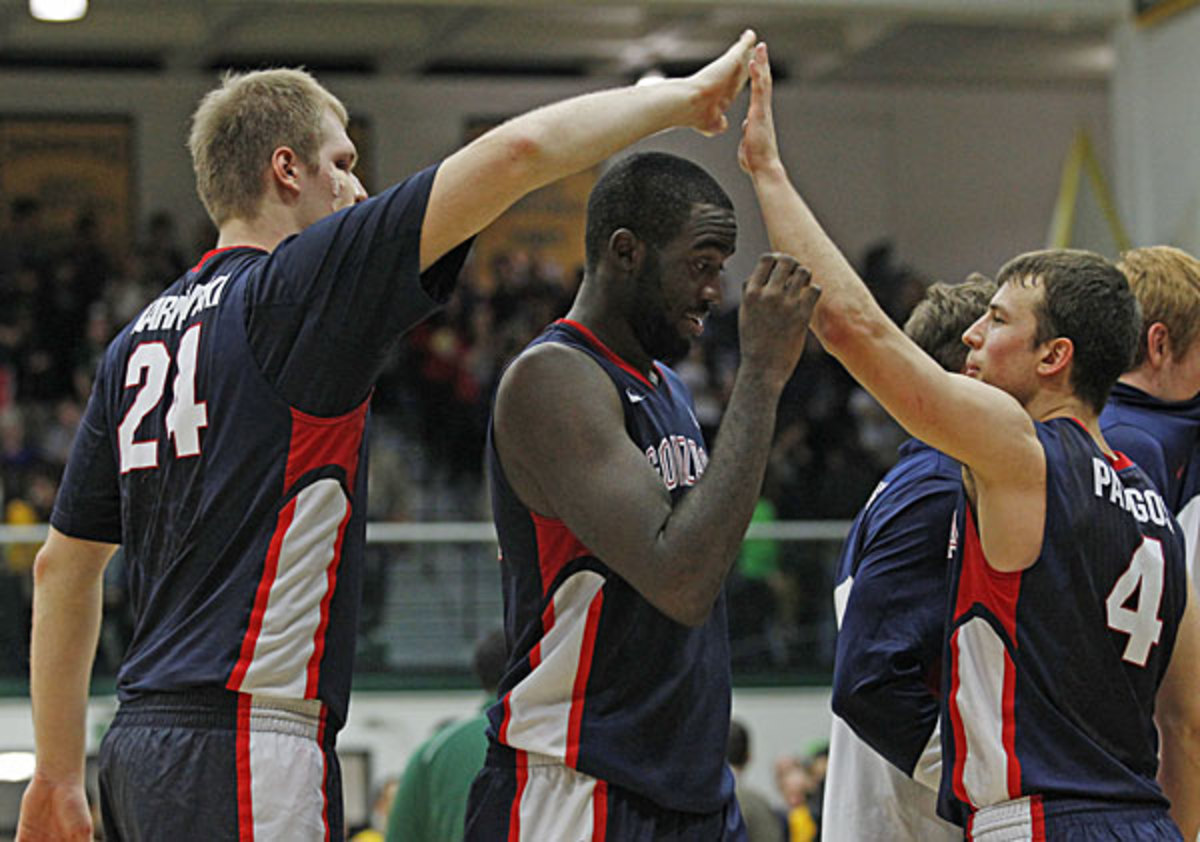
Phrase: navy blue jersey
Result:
[224,448]
[1163,438]
[1053,670]
[891,605]
[598,678]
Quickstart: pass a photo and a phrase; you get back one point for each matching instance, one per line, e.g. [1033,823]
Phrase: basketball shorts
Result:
[1070,820]
[541,799]
[219,766]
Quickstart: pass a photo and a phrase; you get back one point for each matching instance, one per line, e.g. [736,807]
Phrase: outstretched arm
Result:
[68,588]
[945,410]
[483,179]
[579,465]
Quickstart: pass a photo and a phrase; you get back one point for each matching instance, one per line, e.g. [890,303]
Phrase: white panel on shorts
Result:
[287,771]
[1011,821]
[540,706]
[286,642]
[557,804]
[979,704]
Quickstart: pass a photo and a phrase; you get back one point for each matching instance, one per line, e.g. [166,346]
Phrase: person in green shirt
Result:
[431,803]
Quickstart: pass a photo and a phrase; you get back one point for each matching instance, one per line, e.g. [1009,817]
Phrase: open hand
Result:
[758,148]
[718,83]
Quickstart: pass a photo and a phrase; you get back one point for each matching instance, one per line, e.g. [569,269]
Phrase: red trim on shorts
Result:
[245,791]
[609,353]
[514,816]
[1038,818]
[583,670]
[600,812]
[261,598]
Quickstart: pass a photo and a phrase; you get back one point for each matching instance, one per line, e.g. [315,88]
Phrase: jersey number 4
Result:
[148,367]
[1143,576]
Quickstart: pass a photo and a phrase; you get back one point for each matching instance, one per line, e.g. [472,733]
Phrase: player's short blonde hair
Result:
[239,124]
[1166,281]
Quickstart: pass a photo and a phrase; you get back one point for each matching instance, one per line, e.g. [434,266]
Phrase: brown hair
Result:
[1086,299]
[239,124]
[1166,281]
[939,320]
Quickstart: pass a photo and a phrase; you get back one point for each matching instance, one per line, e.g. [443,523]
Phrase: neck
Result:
[1149,380]
[265,231]
[599,315]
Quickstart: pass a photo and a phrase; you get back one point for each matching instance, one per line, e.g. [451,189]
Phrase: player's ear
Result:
[1158,346]
[625,249]
[1057,354]
[285,169]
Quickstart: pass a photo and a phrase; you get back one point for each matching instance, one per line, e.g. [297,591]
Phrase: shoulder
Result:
[550,370]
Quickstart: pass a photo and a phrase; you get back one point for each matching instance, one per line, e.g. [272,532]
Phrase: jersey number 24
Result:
[148,367]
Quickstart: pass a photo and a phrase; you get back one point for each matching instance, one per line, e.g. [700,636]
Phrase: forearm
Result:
[702,536]
[66,626]
[847,306]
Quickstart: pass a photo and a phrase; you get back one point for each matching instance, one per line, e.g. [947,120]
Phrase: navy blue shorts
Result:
[538,802]
[216,767]
[1072,820]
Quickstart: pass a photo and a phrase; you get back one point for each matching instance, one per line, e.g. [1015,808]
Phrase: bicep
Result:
[561,438]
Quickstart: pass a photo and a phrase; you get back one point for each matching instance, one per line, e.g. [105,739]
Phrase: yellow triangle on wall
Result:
[1085,215]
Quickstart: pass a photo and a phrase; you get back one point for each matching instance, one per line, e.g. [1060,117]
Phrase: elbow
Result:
[518,155]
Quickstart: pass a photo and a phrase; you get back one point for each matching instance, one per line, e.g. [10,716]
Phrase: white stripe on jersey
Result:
[1189,521]
[279,666]
[540,705]
[979,705]
[557,803]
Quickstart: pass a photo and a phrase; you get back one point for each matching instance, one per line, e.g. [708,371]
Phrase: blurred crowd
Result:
[65,293]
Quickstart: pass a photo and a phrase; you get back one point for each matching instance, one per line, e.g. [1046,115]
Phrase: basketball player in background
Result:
[890,603]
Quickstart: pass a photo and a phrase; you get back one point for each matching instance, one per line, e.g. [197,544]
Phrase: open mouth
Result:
[695,320]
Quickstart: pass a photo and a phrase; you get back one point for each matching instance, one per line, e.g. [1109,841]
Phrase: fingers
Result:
[778,271]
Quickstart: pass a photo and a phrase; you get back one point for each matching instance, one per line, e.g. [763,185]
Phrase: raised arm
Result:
[579,465]
[68,588]
[945,410]
[480,181]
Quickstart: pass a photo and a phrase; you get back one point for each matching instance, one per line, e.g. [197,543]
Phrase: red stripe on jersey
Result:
[245,793]
[514,816]
[557,546]
[609,353]
[960,734]
[579,691]
[979,583]
[970,834]
[270,569]
[314,662]
[600,812]
[502,736]
[1038,818]
[317,442]
[324,773]
[1009,728]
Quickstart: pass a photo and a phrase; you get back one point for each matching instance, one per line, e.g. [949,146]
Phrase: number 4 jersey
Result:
[224,448]
[1054,669]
